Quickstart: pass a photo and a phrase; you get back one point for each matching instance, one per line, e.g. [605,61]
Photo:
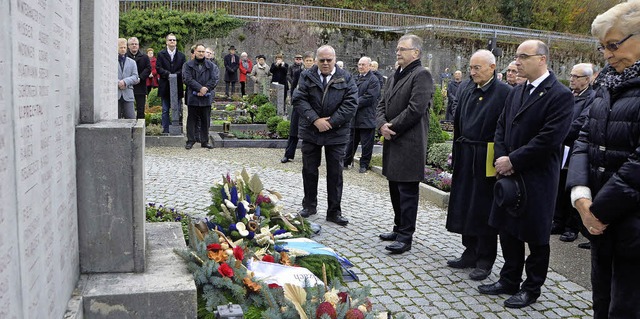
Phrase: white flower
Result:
[230,204]
[242,229]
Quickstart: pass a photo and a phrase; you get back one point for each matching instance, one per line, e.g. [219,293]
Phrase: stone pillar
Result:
[276,96]
[175,128]
[110,177]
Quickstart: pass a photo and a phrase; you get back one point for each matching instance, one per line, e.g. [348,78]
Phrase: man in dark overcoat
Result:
[144,69]
[480,103]
[452,93]
[169,61]
[326,99]
[201,78]
[402,117]
[364,122]
[528,146]
[231,65]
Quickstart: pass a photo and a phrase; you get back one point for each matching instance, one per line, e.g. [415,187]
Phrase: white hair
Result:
[486,54]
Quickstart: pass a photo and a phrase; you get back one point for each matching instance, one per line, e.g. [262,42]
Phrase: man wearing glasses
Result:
[566,220]
[512,74]
[528,150]
[402,117]
[169,61]
[326,99]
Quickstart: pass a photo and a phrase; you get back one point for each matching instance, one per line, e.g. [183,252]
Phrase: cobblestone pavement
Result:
[417,284]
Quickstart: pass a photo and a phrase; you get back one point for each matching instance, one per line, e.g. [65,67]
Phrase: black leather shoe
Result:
[362,170]
[189,145]
[338,220]
[521,299]
[285,159]
[306,212]
[206,145]
[388,236]
[556,229]
[460,263]
[586,245]
[479,274]
[497,288]
[398,247]
[569,236]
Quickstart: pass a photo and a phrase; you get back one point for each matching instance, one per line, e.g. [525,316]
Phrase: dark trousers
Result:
[226,87]
[404,199]
[166,118]
[565,215]
[311,158]
[243,87]
[141,100]
[536,265]
[482,249]
[292,142]
[366,137]
[615,279]
[198,114]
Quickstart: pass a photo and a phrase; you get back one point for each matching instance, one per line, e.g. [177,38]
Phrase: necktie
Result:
[527,92]
[324,81]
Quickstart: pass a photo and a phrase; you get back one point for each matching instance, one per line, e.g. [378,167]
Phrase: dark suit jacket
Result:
[231,69]
[144,69]
[406,106]
[368,95]
[531,134]
[165,66]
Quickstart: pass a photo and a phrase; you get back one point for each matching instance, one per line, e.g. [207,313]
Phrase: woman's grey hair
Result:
[624,17]
[416,41]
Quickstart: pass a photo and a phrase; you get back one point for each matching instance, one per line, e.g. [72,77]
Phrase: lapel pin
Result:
[480,98]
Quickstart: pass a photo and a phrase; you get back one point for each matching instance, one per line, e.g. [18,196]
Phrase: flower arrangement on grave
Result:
[159,213]
[245,231]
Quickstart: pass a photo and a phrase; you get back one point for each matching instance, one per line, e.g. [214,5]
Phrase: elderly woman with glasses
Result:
[604,172]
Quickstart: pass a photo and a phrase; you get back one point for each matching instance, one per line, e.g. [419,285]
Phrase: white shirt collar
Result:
[539,80]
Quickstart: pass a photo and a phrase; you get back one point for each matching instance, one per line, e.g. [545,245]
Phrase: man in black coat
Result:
[402,117]
[169,61]
[231,65]
[144,69]
[479,105]
[279,70]
[293,77]
[201,78]
[452,91]
[326,99]
[528,149]
[364,123]
[566,220]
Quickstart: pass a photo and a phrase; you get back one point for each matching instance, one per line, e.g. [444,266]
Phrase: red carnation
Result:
[268,258]
[274,286]
[238,253]
[326,308]
[225,270]
[214,247]
[343,296]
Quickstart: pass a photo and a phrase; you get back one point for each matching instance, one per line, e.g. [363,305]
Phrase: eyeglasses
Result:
[297,58]
[524,56]
[172,40]
[404,49]
[613,46]
[573,76]
[512,71]
[325,60]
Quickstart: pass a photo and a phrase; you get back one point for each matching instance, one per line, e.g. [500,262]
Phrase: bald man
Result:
[452,91]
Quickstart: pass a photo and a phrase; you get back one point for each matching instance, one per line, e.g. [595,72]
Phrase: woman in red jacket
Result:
[152,80]
[245,67]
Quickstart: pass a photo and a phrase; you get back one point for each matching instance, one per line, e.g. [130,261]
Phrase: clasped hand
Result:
[503,166]
[386,131]
[322,124]
[593,225]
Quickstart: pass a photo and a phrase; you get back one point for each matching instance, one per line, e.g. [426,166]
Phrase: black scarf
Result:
[399,75]
[613,80]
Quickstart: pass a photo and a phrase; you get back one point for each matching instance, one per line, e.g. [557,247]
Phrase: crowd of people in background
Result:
[531,156]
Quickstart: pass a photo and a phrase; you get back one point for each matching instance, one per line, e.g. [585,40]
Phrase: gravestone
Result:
[276,96]
[38,215]
[175,128]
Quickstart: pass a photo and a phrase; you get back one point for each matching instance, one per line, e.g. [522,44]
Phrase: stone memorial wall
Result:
[38,216]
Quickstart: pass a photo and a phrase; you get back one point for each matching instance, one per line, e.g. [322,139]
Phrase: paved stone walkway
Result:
[417,284]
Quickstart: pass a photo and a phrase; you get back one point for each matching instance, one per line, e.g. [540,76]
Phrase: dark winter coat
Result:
[531,134]
[579,117]
[196,75]
[279,74]
[368,95]
[231,68]
[405,104]
[144,69]
[452,91]
[474,126]
[606,158]
[165,66]
[338,101]
[293,75]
